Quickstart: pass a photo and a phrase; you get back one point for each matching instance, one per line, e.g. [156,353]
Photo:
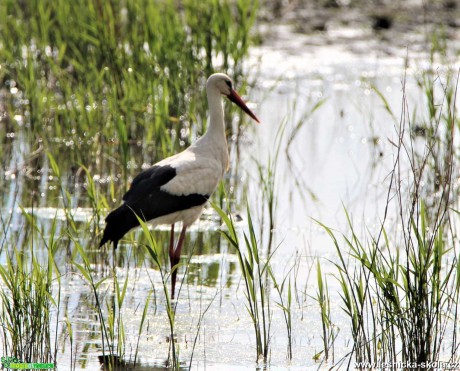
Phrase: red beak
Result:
[235,98]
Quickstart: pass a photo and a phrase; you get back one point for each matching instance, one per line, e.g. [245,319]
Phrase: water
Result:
[340,156]
[343,153]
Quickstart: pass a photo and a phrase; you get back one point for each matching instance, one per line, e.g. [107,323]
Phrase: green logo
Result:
[16,364]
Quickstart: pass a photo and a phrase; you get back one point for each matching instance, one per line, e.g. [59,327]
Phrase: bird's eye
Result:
[229,83]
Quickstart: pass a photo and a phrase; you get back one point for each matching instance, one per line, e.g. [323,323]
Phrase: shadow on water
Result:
[113,363]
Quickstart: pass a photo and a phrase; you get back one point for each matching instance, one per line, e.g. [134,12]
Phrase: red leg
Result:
[171,242]
[171,255]
[175,259]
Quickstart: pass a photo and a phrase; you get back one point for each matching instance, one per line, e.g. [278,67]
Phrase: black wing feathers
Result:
[151,178]
[146,200]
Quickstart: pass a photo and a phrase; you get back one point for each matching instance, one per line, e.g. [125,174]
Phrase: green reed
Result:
[30,293]
[329,330]
[400,290]
[254,273]
[87,273]
[114,85]
[154,252]
[109,293]
[119,69]
[96,84]
[285,304]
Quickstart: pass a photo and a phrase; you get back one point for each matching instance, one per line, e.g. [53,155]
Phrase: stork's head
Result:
[224,85]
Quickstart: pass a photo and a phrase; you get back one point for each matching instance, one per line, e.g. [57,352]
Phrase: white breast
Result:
[187,217]
[197,171]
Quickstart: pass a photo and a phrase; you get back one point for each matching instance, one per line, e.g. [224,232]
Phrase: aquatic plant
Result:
[119,81]
[254,272]
[152,249]
[285,304]
[30,293]
[329,330]
[400,291]
[87,87]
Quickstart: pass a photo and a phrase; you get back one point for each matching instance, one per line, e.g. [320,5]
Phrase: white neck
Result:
[216,128]
[214,141]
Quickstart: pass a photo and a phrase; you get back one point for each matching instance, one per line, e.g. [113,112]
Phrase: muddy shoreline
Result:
[388,27]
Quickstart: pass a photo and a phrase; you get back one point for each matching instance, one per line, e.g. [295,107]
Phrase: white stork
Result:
[177,188]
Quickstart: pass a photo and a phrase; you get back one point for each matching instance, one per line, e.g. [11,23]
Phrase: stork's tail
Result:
[119,222]
[106,237]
